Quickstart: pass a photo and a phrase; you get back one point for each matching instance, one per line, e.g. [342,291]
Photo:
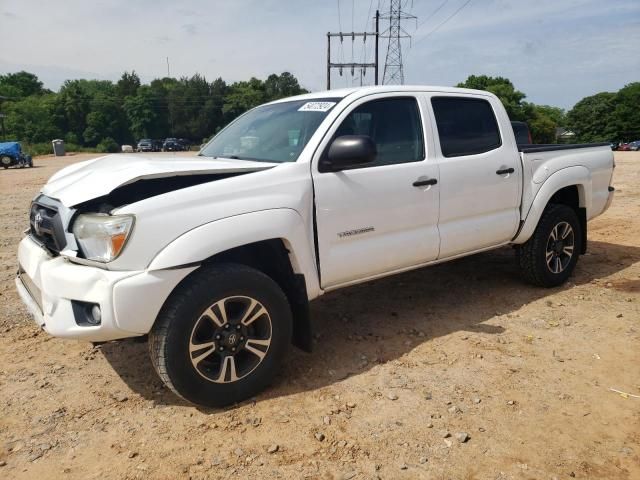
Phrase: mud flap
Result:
[582,217]
[302,332]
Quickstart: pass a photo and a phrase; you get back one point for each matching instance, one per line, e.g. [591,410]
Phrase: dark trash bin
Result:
[58,147]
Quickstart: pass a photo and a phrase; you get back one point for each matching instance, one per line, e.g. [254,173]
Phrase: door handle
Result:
[504,171]
[425,182]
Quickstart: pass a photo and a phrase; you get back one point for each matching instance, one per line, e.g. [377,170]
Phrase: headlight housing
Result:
[102,237]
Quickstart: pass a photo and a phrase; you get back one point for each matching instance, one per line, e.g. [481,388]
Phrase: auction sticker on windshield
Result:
[316,106]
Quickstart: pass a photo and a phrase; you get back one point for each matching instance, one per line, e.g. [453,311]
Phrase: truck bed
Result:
[549,147]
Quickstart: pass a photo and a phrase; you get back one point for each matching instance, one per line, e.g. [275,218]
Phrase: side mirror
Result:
[347,152]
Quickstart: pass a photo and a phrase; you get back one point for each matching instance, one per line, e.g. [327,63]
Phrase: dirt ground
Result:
[404,368]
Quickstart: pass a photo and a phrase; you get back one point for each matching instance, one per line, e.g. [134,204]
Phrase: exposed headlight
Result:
[102,237]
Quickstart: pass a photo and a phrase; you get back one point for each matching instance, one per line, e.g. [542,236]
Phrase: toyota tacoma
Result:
[216,257]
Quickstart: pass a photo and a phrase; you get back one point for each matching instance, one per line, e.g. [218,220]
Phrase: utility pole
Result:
[353,65]
[393,68]
[377,41]
[168,71]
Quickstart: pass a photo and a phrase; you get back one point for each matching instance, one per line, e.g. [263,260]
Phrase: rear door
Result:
[372,220]
[480,173]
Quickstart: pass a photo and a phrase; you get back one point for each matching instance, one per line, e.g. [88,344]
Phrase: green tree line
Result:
[102,114]
[603,117]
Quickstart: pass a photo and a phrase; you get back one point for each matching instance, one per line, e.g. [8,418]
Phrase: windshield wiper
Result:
[236,157]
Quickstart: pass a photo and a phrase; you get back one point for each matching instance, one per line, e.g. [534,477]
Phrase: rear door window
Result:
[466,126]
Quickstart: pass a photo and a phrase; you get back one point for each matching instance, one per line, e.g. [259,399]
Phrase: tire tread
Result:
[526,253]
[206,277]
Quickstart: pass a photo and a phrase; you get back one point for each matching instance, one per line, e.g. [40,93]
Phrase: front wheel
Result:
[548,258]
[222,335]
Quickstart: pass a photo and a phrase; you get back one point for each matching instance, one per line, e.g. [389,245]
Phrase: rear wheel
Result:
[5,161]
[221,337]
[548,258]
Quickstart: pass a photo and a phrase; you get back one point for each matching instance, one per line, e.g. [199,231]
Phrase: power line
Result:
[432,14]
[353,6]
[364,54]
[368,13]
[353,65]
[340,29]
[444,22]
[352,29]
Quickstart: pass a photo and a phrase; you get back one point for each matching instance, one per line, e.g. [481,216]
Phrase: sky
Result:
[555,51]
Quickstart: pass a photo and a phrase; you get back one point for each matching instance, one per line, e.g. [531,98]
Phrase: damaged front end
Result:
[74,214]
[147,188]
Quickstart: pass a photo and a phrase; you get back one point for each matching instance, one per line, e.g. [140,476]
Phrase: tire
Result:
[193,315]
[544,259]
[6,161]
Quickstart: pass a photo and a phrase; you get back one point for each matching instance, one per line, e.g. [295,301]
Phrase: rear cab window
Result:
[466,126]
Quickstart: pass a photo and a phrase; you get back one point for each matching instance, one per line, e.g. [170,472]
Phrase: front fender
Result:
[566,177]
[221,235]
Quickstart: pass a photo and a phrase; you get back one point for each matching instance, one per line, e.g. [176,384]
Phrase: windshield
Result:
[271,133]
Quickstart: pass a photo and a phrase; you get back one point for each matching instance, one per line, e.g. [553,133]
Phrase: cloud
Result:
[53,76]
[190,28]
[555,52]
[529,48]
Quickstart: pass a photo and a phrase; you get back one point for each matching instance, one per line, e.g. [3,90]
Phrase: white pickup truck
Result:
[216,257]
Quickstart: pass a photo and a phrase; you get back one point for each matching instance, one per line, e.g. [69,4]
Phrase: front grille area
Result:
[45,226]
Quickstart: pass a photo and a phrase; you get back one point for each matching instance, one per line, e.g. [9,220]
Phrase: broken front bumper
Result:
[54,290]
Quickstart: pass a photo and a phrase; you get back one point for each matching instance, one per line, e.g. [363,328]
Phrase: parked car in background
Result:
[522,133]
[146,145]
[614,145]
[186,144]
[624,147]
[172,145]
[157,145]
[216,257]
[635,146]
[11,154]
[127,149]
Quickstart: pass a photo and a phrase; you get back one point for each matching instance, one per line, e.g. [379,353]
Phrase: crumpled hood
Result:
[98,177]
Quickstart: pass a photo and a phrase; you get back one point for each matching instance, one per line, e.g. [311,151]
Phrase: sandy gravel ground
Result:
[458,371]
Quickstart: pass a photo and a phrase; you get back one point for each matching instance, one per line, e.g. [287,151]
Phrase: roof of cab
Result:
[363,91]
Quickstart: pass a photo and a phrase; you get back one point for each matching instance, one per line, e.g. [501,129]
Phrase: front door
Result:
[373,219]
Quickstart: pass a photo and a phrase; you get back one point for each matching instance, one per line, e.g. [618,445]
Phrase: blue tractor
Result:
[11,155]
